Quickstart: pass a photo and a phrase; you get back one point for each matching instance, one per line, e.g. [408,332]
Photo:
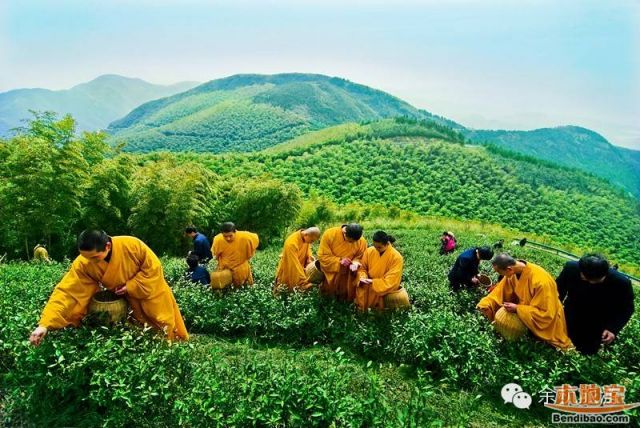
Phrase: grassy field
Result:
[297,360]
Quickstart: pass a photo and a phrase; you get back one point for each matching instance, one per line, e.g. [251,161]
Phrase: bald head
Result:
[311,234]
[503,261]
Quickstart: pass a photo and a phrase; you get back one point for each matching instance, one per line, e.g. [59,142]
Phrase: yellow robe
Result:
[539,307]
[386,272]
[295,256]
[132,264]
[235,255]
[41,254]
[339,281]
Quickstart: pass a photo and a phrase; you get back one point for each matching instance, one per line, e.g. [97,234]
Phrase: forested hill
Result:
[572,146]
[93,104]
[251,112]
[419,168]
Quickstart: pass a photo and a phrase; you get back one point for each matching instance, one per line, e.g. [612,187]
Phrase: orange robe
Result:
[539,307]
[295,256]
[339,281]
[386,272]
[235,255]
[132,264]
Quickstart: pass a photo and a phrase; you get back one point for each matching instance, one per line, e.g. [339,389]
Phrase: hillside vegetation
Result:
[296,360]
[574,147]
[250,112]
[425,168]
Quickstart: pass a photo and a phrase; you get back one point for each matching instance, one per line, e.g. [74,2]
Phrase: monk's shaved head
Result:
[312,231]
[503,261]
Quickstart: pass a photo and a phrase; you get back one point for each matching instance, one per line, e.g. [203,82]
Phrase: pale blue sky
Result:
[488,64]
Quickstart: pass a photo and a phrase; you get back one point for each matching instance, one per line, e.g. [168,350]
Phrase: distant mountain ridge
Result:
[249,112]
[93,104]
[571,146]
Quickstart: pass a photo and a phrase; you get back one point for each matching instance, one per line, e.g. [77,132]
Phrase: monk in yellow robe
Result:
[296,255]
[380,272]
[530,292]
[340,252]
[233,249]
[122,264]
[40,253]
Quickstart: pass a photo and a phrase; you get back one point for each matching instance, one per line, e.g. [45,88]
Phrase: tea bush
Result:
[295,360]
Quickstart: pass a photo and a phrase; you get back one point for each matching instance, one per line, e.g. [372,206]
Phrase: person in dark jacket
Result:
[464,272]
[197,273]
[598,302]
[201,245]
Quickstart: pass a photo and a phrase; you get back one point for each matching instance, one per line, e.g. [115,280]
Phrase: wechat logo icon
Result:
[514,394]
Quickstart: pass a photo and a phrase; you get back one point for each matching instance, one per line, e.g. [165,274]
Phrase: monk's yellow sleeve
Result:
[294,270]
[494,300]
[541,310]
[69,299]
[145,282]
[215,247]
[254,241]
[363,269]
[391,279]
[309,255]
[328,262]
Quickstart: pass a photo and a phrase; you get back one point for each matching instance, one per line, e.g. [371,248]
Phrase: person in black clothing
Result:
[464,272]
[197,273]
[598,302]
[201,245]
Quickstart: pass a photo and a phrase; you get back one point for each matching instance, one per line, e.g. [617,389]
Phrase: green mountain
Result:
[252,112]
[571,146]
[421,168]
[93,104]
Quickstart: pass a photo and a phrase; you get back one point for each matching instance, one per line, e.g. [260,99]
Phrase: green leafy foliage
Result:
[420,167]
[265,207]
[570,146]
[297,360]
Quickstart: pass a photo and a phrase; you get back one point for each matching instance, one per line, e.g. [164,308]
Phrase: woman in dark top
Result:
[197,273]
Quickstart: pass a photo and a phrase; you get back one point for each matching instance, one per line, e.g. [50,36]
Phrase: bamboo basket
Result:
[484,280]
[397,299]
[314,273]
[221,279]
[107,307]
[509,325]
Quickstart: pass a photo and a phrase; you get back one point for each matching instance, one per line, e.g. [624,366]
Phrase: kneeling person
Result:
[196,273]
[296,255]
[380,272]
[341,249]
[233,249]
[530,292]
[123,264]
[598,302]
[464,272]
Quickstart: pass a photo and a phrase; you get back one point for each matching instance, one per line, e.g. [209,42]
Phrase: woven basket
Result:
[484,280]
[314,273]
[106,306]
[221,279]
[397,299]
[509,325]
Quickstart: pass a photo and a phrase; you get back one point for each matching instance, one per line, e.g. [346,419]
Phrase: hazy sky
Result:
[487,64]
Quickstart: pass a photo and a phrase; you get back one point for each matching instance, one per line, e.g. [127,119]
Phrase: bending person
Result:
[380,272]
[123,264]
[233,249]
[296,255]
